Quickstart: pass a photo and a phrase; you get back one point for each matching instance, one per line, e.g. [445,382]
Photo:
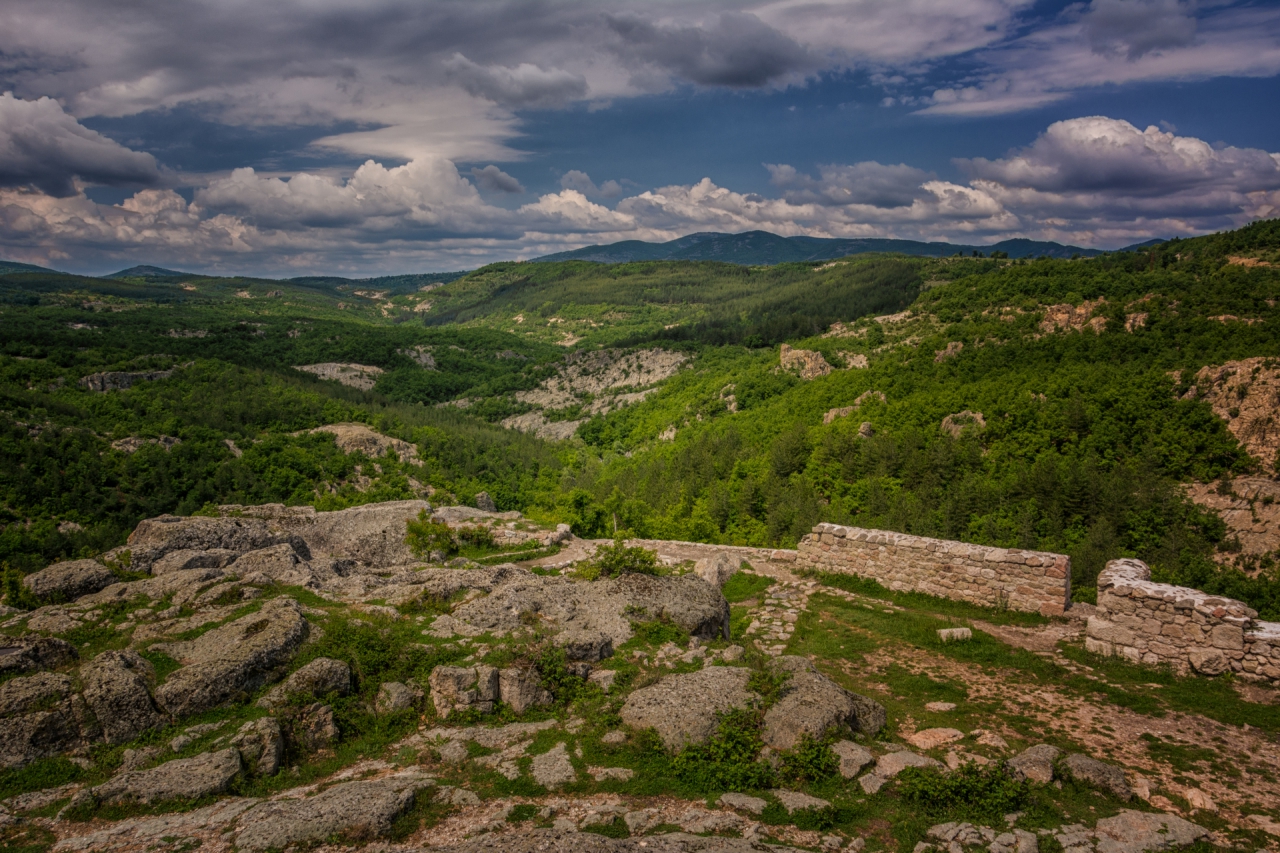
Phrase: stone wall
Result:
[1031,581]
[1186,629]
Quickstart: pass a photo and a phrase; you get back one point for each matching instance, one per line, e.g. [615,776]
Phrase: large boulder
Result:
[40,717]
[683,708]
[463,688]
[69,580]
[812,704]
[187,559]
[1034,764]
[24,654]
[605,607]
[228,662]
[153,538]
[521,689]
[116,687]
[1099,774]
[717,568]
[261,745]
[280,564]
[1134,832]
[354,809]
[316,680]
[183,779]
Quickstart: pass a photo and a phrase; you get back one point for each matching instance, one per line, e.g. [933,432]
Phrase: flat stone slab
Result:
[888,766]
[794,800]
[1137,832]
[934,738]
[148,832]
[682,708]
[183,779]
[358,808]
[553,769]
[744,802]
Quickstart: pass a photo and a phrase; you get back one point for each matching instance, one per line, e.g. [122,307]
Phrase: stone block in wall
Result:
[1227,637]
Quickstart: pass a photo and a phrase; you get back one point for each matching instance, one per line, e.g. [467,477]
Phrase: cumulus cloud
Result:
[581,181]
[861,183]
[43,147]
[493,179]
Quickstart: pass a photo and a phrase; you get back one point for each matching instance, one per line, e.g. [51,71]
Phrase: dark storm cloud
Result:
[872,183]
[493,179]
[738,50]
[525,85]
[1138,27]
[43,147]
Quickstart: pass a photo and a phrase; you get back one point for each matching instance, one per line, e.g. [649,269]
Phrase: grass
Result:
[919,601]
[744,586]
[39,774]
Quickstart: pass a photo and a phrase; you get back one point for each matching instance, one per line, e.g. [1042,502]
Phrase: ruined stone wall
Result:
[1031,581]
[1186,629]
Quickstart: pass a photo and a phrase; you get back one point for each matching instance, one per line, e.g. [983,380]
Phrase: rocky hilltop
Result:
[271,677]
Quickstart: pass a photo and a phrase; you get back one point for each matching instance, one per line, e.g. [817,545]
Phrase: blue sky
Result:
[388,136]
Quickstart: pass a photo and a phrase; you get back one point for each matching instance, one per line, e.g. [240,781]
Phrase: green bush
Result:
[811,761]
[15,594]
[617,559]
[728,761]
[971,790]
[425,535]
[553,666]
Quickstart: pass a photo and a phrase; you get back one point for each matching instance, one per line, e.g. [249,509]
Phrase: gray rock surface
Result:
[355,809]
[1034,764]
[585,645]
[683,708]
[182,779]
[316,728]
[1091,771]
[261,745]
[54,728]
[853,757]
[316,680]
[570,841]
[393,697]
[459,688]
[1136,832]
[117,689]
[717,568]
[553,769]
[743,802]
[521,689]
[893,763]
[24,654]
[604,606]
[69,580]
[793,800]
[33,692]
[186,559]
[230,661]
[812,704]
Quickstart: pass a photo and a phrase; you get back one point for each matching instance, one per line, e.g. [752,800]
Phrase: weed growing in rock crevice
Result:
[729,760]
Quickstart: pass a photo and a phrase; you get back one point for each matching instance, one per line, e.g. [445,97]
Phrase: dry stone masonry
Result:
[1030,581]
[1164,625]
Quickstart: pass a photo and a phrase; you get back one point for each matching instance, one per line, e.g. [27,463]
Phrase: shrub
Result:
[426,535]
[15,594]
[811,761]
[474,536]
[986,791]
[553,666]
[617,559]
[728,761]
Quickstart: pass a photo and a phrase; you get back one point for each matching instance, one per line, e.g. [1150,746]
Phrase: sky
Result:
[302,137]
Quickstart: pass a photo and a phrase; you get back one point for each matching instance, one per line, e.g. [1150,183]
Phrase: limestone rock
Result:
[812,704]
[934,738]
[183,779]
[521,689]
[852,757]
[316,680]
[393,697]
[70,580]
[316,728]
[24,694]
[810,364]
[24,654]
[187,559]
[793,800]
[1136,832]
[890,765]
[1034,764]
[569,840]
[261,745]
[456,688]
[116,687]
[954,425]
[153,538]
[1208,661]
[743,802]
[484,502]
[354,809]
[280,564]
[604,679]
[682,708]
[585,645]
[39,718]
[717,568]
[228,662]
[553,769]
[1099,774]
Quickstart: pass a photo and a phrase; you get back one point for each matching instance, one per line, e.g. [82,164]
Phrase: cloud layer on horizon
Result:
[1093,181]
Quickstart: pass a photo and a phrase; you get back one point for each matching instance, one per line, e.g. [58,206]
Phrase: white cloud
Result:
[581,181]
[525,85]
[42,146]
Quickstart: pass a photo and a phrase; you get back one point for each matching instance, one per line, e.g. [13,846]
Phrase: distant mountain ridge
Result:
[762,248]
[7,267]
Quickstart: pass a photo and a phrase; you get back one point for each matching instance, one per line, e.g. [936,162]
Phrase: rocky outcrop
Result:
[571,841]
[1250,507]
[261,746]
[812,704]
[717,569]
[358,438]
[353,809]
[24,654]
[607,607]
[116,687]
[1244,393]
[1099,774]
[316,680]
[395,696]
[455,688]
[230,661]
[116,380]
[809,364]
[683,708]
[40,716]
[361,376]
[954,425]
[1067,317]
[70,580]
[183,779]
[1034,764]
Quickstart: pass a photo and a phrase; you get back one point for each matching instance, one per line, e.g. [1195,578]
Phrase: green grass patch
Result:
[745,585]
[931,603]
[39,774]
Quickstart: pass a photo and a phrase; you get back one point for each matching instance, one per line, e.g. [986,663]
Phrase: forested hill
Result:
[1055,404]
[762,248]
